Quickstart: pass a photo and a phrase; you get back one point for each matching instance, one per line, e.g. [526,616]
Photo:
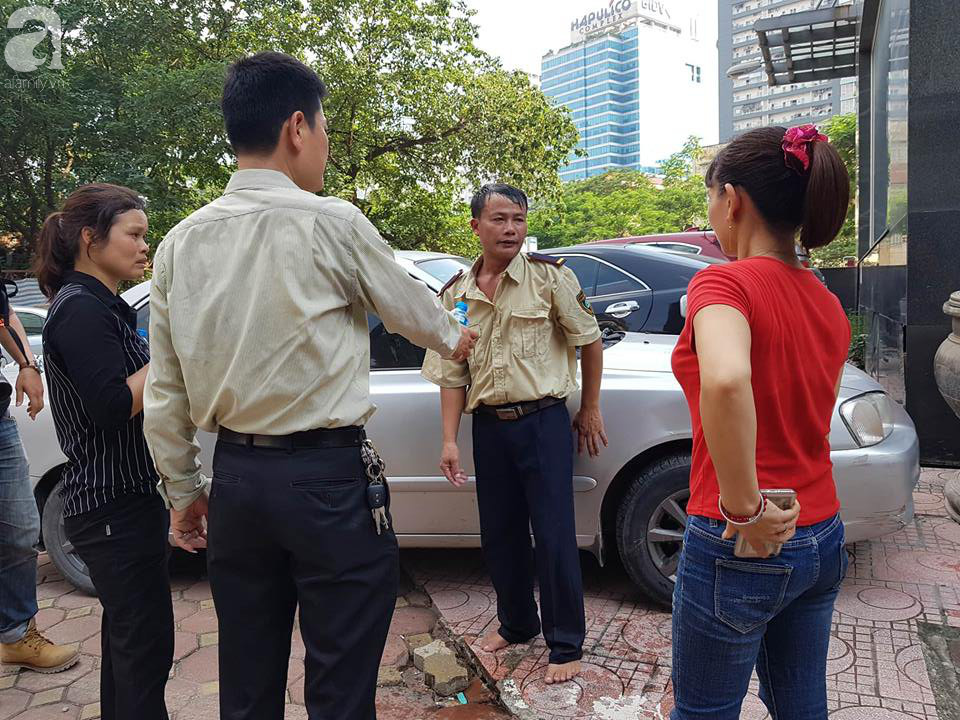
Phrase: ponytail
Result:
[52,260]
[795,178]
[94,207]
[827,199]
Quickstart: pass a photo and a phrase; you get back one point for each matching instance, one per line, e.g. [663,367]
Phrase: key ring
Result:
[374,463]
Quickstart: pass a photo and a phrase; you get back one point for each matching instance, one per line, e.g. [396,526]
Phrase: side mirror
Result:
[683,306]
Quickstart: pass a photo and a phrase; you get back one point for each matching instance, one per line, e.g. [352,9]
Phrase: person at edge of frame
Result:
[258,328]
[21,644]
[531,315]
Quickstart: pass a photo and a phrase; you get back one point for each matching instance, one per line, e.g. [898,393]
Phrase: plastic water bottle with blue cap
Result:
[460,312]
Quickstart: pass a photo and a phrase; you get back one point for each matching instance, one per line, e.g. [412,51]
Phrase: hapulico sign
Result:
[617,11]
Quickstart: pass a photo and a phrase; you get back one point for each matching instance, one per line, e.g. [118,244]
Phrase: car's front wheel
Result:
[59,546]
[650,524]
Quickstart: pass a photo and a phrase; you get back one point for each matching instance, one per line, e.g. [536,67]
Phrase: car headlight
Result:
[869,418]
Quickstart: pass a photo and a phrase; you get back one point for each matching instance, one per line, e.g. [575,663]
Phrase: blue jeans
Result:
[732,614]
[19,532]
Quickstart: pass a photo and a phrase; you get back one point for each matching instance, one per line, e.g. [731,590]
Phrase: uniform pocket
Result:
[328,484]
[749,594]
[335,492]
[529,331]
[225,478]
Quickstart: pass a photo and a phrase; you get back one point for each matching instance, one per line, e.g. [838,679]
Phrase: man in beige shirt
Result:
[531,315]
[258,331]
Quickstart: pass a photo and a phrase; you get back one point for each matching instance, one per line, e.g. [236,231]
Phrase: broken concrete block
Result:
[418,641]
[421,654]
[389,676]
[445,675]
[442,671]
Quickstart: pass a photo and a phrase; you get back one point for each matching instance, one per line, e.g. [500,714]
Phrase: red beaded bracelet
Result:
[743,519]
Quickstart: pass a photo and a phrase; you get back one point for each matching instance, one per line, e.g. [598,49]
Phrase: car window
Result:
[585,269]
[389,351]
[677,247]
[444,268]
[32,324]
[143,319]
[611,281]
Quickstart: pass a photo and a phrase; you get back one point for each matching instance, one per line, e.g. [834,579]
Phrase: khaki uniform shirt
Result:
[258,320]
[528,335]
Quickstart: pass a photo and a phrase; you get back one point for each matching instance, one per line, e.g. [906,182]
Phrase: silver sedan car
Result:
[33,319]
[630,500]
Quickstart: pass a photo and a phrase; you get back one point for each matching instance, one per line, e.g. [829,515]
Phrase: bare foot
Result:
[493,641]
[563,672]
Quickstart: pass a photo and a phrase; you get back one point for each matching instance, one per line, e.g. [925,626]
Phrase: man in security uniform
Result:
[531,315]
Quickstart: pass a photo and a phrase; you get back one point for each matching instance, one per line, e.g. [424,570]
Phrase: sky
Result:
[520,32]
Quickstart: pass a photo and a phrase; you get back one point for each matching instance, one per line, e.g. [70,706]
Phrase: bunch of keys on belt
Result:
[376,485]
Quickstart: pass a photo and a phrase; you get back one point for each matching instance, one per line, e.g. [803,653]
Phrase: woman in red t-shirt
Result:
[760,361]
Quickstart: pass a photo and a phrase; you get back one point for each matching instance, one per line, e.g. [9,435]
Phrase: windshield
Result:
[444,268]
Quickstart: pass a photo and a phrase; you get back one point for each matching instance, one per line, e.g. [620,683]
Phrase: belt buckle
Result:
[510,413]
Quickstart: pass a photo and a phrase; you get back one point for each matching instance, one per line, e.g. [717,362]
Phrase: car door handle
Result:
[622,309]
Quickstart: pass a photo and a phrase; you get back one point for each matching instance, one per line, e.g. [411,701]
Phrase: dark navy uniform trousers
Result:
[524,471]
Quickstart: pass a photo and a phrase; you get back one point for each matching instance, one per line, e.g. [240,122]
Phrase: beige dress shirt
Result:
[258,320]
[528,335]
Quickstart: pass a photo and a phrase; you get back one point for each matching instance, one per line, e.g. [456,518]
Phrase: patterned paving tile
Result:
[875,668]
[191,691]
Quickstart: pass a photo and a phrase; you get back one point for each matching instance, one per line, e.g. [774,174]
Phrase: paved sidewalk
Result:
[897,587]
[68,616]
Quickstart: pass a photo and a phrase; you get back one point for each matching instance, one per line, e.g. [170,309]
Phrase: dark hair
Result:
[479,201]
[815,201]
[95,206]
[263,90]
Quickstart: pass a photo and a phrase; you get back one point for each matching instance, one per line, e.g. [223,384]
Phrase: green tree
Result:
[417,114]
[842,131]
[684,196]
[622,203]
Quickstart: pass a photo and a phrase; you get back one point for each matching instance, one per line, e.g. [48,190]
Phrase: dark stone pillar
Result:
[933,264]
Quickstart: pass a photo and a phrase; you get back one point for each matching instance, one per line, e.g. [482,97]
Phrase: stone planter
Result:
[946,370]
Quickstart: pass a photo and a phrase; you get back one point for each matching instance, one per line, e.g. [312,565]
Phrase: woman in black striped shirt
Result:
[96,366]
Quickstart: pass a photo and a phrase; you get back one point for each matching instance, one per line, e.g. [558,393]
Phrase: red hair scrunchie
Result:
[796,146]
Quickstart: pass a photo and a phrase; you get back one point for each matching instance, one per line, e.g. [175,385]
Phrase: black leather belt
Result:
[308,439]
[519,410]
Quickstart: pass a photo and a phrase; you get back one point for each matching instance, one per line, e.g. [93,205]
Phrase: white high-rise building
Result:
[639,78]
[746,100]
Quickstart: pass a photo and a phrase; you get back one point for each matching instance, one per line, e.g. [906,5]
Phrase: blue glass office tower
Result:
[599,82]
[638,78]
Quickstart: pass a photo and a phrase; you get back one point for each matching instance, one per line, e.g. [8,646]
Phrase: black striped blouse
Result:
[90,347]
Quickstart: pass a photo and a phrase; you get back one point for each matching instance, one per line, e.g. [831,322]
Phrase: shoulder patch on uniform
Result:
[584,303]
[450,282]
[549,259]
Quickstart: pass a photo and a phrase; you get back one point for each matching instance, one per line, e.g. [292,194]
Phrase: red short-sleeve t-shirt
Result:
[800,337]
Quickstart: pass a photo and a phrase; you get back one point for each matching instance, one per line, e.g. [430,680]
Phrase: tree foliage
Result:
[842,131]
[623,203]
[417,113]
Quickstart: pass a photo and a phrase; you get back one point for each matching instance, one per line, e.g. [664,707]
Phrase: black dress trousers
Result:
[124,545]
[289,528]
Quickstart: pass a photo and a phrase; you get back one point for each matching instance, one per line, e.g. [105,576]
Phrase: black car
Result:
[634,288]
